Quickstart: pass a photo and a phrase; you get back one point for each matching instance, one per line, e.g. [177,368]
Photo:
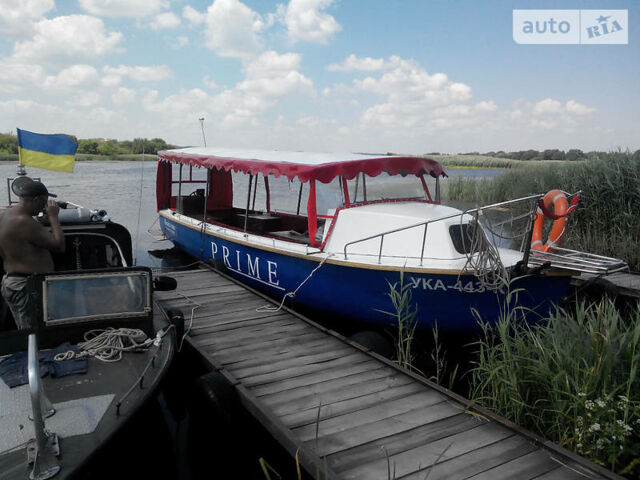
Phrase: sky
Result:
[410,76]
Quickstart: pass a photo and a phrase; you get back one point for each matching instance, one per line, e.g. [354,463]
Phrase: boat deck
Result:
[344,411]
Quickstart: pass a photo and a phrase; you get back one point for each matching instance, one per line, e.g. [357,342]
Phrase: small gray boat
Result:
[95,357]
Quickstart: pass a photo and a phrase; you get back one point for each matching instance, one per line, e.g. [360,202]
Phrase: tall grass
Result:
[571,378]
[607,220]
[486,161]
[404,314]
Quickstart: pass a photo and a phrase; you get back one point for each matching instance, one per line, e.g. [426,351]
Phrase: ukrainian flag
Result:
[51,152]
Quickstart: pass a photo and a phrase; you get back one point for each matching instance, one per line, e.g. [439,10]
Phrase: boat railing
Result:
[43,454]
[473,211]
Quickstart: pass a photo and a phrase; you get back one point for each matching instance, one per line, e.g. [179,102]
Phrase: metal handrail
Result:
[45,464]
[427,222]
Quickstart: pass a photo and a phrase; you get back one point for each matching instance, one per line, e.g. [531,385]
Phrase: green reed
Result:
[607,219]
[573,379]
[404,314]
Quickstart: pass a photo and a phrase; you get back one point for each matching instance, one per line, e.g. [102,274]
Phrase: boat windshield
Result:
[387,187]
[95,296]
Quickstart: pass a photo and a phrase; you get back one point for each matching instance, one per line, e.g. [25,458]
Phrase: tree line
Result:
[534,155]
[98,146]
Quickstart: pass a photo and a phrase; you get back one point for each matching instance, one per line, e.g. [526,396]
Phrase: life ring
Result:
[558,199]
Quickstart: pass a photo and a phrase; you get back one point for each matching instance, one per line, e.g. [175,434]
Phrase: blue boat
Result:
[336,232]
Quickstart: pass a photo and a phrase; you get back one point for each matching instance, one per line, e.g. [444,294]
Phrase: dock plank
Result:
[476,461]
[383,410]
[244,371]
[527,466]
[329,395]
[347,457]
[357,402]
[424,455]
[305,369]
[385,427]
[306,380]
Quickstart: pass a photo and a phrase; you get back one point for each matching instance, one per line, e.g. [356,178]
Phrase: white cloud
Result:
[18,16]
[15,77]
[546,106]
[73,77]
[306,21]
[67,39]
[578,109]
[409,87]
[181,42]
[123,96]
[485,106]
[354,63]
[166,20]
[140,73]
[232,29]
[85,99]
[123,8]
[210,83]
[193,16]
[268,78]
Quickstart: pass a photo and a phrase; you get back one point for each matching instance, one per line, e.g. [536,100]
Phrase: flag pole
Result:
[21,169]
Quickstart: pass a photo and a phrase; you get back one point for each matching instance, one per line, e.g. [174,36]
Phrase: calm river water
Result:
[126,190]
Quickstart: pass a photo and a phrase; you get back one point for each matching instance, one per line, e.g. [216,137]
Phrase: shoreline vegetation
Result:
[607,218]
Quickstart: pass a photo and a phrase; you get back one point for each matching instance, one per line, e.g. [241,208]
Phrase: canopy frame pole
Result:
[345,190]
[255,190]
[355,196]
[299,199]
[246,213]
[437,189]
[179,199]
[364,186]
[312,214]
[206,197]
[426,188]
[268,193]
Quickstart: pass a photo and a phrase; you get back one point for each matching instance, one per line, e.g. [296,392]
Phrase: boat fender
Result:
[558,199]
[374,342]
[163,283]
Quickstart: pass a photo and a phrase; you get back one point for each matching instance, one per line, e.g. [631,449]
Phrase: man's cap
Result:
[34,189]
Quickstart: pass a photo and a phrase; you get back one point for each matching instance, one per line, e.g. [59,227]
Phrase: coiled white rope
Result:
[107,345]
[271,308]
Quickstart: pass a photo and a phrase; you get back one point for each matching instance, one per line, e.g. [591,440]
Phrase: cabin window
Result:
[464,238]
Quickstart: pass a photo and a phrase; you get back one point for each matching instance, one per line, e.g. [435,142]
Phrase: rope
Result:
[271,308]
[483,258]
[107,345]
[188,329]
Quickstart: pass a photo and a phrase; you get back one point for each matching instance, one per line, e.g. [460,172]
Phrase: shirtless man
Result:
[26,246]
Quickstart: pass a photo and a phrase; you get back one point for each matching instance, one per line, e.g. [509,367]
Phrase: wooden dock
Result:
[626,283]
[346,412]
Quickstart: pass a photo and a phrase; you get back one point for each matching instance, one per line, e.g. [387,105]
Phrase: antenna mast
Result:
[202,127]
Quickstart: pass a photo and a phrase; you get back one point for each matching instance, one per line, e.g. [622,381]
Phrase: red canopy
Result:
[323,167]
